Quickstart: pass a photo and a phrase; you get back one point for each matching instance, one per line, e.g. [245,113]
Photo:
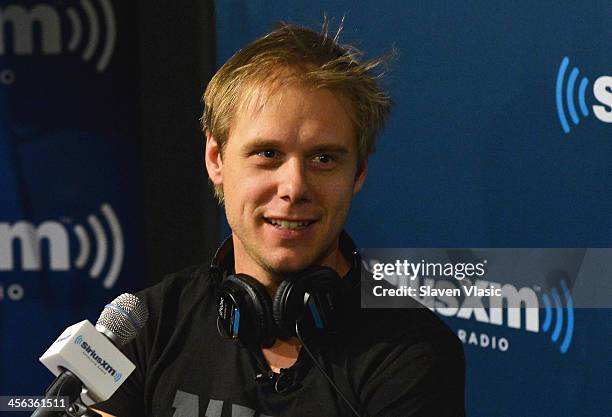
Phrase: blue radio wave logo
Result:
[117,376]
[567,95]
[78,340]
[561,319]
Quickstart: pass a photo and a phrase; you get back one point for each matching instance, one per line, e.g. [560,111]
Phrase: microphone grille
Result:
[123,318]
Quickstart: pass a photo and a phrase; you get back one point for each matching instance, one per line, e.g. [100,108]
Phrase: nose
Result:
[292,182]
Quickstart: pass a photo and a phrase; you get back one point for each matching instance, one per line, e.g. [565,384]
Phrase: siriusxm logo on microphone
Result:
[95,358]
[56,234]
[568,88]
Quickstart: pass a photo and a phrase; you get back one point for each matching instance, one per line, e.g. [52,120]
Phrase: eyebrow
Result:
[323,148]
[264,143]
[261,143]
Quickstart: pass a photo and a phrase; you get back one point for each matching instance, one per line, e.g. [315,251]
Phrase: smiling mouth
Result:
[290,225]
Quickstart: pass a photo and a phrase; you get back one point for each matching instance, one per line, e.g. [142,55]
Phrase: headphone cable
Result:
[320,368]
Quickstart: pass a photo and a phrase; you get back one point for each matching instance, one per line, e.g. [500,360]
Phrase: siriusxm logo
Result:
[516,303]
[515,308]
[29,239]
[557,305]
[565,96]
[92,30]
[93,355]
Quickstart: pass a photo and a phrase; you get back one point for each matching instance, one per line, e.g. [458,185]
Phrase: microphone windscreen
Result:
[123,318]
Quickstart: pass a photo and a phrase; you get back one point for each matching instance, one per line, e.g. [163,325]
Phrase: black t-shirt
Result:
[386,362]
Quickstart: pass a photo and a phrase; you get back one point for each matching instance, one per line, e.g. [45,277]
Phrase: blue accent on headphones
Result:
[236,322]
[315,314]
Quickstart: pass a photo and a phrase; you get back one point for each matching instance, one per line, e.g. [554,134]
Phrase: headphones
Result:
[311,299]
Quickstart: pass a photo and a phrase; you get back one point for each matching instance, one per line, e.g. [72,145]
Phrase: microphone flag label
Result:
[87,353]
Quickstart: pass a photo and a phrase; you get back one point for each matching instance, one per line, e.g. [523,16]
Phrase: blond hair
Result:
[292,52]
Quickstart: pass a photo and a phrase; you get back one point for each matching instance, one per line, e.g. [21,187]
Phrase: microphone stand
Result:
[78,409]
[66,385]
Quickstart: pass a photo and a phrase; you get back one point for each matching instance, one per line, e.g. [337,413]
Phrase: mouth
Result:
[289,224]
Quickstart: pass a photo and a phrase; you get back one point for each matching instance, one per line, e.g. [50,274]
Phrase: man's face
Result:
[289,171]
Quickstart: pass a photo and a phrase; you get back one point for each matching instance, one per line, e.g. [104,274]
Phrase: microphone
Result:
[86,359]
[284,382]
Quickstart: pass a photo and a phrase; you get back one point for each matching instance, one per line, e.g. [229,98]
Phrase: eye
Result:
[324,158]
[267,153]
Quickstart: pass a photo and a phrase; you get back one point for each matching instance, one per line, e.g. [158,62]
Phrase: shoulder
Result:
[172,305]
[406,362]
[407,324]
[416,328]
[413,342]
[184,287]
[175,300]
[402,322]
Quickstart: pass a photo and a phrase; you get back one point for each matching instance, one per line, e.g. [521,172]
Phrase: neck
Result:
[283,354]
[270,279]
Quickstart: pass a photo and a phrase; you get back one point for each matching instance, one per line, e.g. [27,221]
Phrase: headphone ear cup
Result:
[256,327]
[316,312]
[284,324]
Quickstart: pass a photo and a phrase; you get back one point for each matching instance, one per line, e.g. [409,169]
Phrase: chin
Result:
[289,266]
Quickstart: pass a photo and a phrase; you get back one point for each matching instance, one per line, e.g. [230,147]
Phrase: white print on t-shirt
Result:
[187,405]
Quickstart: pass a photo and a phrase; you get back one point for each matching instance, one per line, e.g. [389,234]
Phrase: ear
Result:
[212,157]
[360,176]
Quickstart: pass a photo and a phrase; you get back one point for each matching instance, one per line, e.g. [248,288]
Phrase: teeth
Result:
[288,225]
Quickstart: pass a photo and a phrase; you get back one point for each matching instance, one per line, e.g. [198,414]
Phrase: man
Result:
[289,121]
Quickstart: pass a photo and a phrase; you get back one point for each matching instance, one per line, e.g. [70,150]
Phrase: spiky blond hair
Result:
[293,53]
